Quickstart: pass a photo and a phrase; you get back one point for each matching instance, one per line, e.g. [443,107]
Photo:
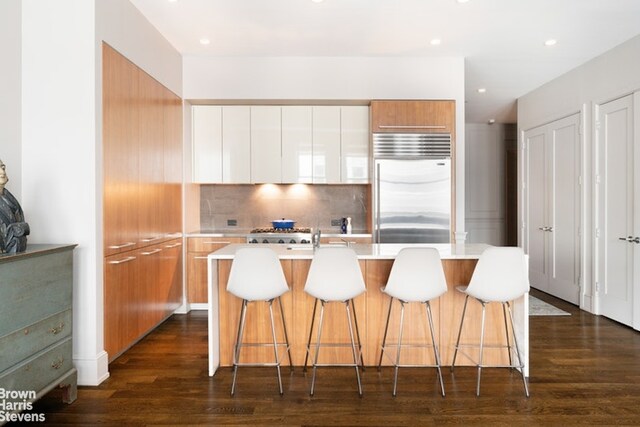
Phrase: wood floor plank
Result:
[584,370]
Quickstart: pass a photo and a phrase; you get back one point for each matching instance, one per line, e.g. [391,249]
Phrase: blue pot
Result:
[283,223]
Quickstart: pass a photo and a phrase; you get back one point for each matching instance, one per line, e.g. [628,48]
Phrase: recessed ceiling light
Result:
[492,121]
[435,42]
[205,41]
[550,42]
[173,1]
[462,1]
[482,90]
[317,1]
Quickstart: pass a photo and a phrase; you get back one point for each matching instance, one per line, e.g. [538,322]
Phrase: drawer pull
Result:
[411,127]
[122,261]
[57,364]
[57,329]
[153,252]
[151,239]
[175,245]
[124,245]
[213,242]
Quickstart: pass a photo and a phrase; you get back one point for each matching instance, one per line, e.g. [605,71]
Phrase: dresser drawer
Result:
[34,288]
[37,372]
[29,340]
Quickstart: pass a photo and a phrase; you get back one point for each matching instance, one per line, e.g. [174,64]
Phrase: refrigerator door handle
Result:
[377,212]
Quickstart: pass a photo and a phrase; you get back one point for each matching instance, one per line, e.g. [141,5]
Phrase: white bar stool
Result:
[416,276]
[335,276]
[500,276]
[256,275]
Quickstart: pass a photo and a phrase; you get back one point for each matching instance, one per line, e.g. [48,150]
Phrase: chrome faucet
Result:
[316,239]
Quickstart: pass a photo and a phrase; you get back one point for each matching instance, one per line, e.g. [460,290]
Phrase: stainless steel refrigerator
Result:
[412,189]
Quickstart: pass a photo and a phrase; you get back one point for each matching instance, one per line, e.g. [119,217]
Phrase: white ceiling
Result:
[502,40]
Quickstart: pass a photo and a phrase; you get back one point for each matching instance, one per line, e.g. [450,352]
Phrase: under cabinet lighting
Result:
[550,42]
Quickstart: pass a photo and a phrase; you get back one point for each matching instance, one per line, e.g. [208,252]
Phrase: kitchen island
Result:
[371,309]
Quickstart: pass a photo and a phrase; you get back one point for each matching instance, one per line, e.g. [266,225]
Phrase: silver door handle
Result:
[550,229]
[542,228]
[153,252]
[636,240]
[124,245]
[377,208]
[122,261]
[626,239]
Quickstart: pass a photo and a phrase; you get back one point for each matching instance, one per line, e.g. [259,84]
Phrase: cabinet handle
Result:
[542,228]
[636,240]
[200,257]
[630,239]
[57,364]
[151,239]
[153,252]
[124,245]
[57,329]
[411,127]
[175,245]
[122,261]
[213,242]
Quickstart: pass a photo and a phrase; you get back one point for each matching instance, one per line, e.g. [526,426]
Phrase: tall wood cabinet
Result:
[552,207]
[142,155]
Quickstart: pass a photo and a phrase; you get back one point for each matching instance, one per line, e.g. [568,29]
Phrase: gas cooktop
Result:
[279,235]
[281,230]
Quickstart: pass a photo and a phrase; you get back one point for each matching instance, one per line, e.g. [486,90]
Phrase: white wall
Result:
[10,135]
[334,78]
[609,76]
[61,149]
[485,189]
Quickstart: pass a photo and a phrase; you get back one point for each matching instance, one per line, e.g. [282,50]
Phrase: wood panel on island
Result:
[142,157]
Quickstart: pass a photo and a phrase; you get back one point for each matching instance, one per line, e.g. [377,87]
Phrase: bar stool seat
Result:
[416,276]
[256,275]
[335,276]
[500,276]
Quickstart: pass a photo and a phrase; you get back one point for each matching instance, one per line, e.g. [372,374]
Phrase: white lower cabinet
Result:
[552,207]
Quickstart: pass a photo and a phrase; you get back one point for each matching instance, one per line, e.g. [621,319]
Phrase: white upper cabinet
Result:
[296,144]
[354,151]
[326,145]
[266,135]
[207,143]
[236,144]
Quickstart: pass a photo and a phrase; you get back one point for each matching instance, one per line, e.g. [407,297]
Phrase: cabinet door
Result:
[354,151]
[236,144]
[207,143]
[170,291]
[120,152]
[326,145]
[120,287]
[266,162]
[148,300]
[172,193]
[413,116]
[296,144]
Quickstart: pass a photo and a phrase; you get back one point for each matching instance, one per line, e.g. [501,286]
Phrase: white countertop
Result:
[363,250]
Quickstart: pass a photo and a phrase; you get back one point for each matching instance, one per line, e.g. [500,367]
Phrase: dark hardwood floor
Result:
[584,370]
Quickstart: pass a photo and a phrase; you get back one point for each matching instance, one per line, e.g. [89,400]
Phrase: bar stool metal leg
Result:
[353,347]
[397,364]
[236,354]
[286,336]
[315,359]
[506,329]
[435,346]
[275,346]
[481,347]
[520,363]
[455,353]
[384,337]
[355,321]
[313,318]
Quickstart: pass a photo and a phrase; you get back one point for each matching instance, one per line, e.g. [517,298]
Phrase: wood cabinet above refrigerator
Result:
[413,116]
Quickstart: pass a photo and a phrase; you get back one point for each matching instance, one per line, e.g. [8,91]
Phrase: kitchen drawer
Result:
[31,339]
[210,244]
[40,370]
[34,288]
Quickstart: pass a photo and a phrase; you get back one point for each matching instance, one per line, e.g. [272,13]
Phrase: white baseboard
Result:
[199,306]
[183,309]
[92,371]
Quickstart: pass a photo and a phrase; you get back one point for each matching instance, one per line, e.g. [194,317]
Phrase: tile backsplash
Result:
[257,205]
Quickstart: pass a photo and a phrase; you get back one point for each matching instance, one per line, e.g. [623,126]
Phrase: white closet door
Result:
[207,143]
[266,152]
[615,198]
[535,142]
[564,195]
[236,144]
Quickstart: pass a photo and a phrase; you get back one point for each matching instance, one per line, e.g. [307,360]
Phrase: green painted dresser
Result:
[35,325]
